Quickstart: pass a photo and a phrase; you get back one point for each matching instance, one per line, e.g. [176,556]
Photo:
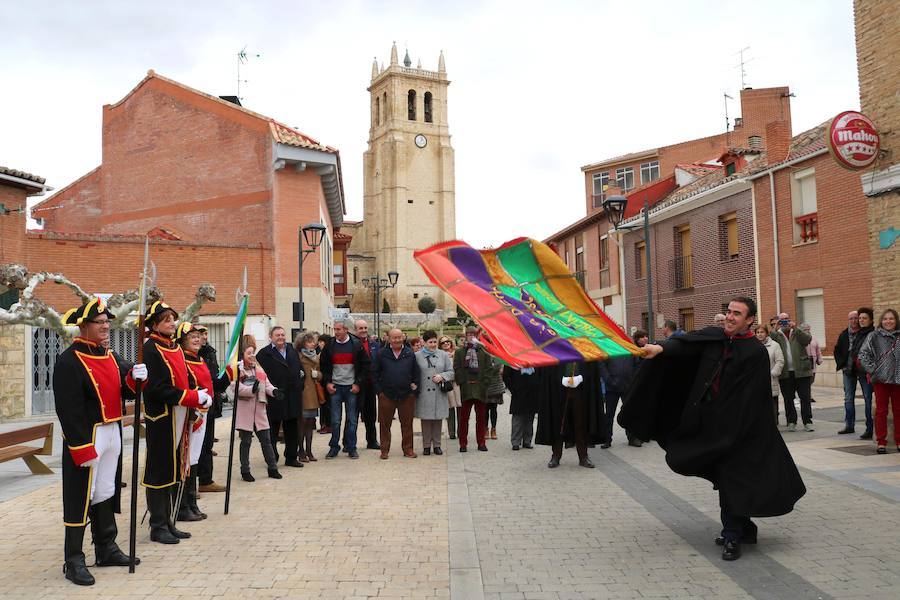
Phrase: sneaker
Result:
[333,452]
[353,454]
[792,427]
[808,426]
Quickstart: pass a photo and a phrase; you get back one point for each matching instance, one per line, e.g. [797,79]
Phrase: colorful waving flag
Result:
[531,308]
[231,356]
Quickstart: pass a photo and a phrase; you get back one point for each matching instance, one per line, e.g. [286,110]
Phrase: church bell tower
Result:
[409,197]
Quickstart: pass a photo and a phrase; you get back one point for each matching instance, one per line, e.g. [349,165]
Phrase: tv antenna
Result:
[743,66]
[726,98]
[242,58]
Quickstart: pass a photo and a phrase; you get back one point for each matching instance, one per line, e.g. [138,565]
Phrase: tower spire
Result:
[442,68]
[374,68]
[407,61]
[394,54]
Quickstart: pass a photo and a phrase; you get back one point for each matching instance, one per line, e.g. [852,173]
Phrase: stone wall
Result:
[12,365]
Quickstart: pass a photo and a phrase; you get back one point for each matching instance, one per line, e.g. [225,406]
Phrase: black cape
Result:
[525,390]
[552,404]
[729,438]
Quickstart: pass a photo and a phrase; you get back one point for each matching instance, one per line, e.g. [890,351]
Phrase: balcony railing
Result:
[681,272]
[809,227]
[579,277]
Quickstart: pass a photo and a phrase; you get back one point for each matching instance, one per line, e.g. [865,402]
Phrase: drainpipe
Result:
[775,245]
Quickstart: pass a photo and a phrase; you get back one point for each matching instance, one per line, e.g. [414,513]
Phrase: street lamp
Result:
[377,283]
[614,206]
[313,233]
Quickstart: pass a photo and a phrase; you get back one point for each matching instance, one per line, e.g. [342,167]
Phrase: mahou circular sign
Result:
[853,140]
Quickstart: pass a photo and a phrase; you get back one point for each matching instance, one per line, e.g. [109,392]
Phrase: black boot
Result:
[173,495]
[188,500]
[193,484]
[104,531]
[74,567]
[158,505]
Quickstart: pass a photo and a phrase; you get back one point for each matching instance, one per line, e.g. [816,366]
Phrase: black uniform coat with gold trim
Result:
[88,388]
[169,383]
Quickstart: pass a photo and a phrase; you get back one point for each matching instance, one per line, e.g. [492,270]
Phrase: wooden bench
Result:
[11,450]
[128,418]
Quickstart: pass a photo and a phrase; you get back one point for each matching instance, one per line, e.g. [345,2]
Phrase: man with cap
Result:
[88,388]
[190,339]
[170,392]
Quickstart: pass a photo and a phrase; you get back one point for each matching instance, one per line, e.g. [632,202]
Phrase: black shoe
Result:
[453,436]
[185,514]
[76,572]
[373,446]
[482,448]
[345,450]
[74,568]
[585,462]
[605,445]
[181,535]
[515,447]
[731,550]
[333,452]
[438,451]
[248,477]
[104,531]
[881,450]
[635,442]
[866,436]
[554,462]
[293,463]
[845,430]
[274,474]
[158,503]
[426,451]
[353,454]
[528,446]
[463,449]
[720,541]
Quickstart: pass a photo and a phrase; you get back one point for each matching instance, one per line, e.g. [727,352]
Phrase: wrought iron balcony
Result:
[681,272]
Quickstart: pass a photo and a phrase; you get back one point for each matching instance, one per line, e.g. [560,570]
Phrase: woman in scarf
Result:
[432,406]
[309,360]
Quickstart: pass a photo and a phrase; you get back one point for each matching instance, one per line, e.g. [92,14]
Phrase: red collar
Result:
[167,342]
[742,336]
[92,346]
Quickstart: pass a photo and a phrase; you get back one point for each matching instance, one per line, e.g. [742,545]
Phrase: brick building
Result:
[217,186]
[878,62]
[652,175]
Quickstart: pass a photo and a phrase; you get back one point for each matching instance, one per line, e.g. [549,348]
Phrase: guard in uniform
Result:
[88,388]
[189,338]
[171,391]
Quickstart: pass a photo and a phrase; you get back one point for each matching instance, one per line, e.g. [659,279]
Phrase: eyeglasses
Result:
[101,323]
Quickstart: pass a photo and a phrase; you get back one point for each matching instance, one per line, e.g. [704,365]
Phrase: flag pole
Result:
[139,388]
[236,347]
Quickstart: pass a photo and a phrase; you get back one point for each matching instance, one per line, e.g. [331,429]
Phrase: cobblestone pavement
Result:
[492,525]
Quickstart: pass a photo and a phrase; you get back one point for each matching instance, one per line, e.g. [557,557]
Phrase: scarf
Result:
[471,358]
[309,353]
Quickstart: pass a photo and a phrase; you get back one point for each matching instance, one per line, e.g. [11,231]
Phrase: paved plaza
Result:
[496,525]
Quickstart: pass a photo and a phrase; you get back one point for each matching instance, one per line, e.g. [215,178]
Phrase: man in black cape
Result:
[570,410]
[707,401]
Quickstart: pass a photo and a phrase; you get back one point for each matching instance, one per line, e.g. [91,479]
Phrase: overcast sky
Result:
[538,89]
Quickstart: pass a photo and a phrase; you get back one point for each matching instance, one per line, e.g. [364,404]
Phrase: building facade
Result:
[409,195]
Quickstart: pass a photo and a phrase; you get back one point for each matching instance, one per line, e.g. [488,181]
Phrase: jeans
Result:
[850,400]
[342,395]
[802,387]
[368,413]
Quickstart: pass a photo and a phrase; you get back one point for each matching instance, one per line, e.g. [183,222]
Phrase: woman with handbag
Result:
[251,409]
[313,394]
[880,357]
[432,406]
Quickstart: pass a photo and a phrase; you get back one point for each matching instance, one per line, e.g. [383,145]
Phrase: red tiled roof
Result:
[696,169]
[803,144]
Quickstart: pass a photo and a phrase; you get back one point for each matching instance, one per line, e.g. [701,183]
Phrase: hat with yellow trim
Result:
[156,311]
[184,329]
[200,327]
[87,312]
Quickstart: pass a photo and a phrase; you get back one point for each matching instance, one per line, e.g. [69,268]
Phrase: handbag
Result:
[320,393]
[445,386]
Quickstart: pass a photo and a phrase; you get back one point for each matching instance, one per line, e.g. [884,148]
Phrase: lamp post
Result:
[313,233]
[376,283]
[614,206]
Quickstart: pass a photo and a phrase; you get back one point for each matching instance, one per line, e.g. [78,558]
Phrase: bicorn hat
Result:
[184,329]
[156,311]
[87,312]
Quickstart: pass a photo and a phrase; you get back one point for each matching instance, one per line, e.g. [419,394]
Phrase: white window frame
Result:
[650,167]
[800,204]
[622,174]
[599,196]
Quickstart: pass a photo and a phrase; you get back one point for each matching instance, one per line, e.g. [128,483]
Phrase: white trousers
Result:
[197,440]
[108,445]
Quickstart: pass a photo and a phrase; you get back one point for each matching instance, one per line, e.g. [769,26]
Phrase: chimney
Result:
[778,141]
[754,142]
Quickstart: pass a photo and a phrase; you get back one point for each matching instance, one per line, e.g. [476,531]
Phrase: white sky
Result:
[538,90]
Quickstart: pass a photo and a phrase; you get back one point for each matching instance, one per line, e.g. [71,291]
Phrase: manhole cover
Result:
[862,450]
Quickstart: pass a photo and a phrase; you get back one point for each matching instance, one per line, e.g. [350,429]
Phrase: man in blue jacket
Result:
[396,377]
